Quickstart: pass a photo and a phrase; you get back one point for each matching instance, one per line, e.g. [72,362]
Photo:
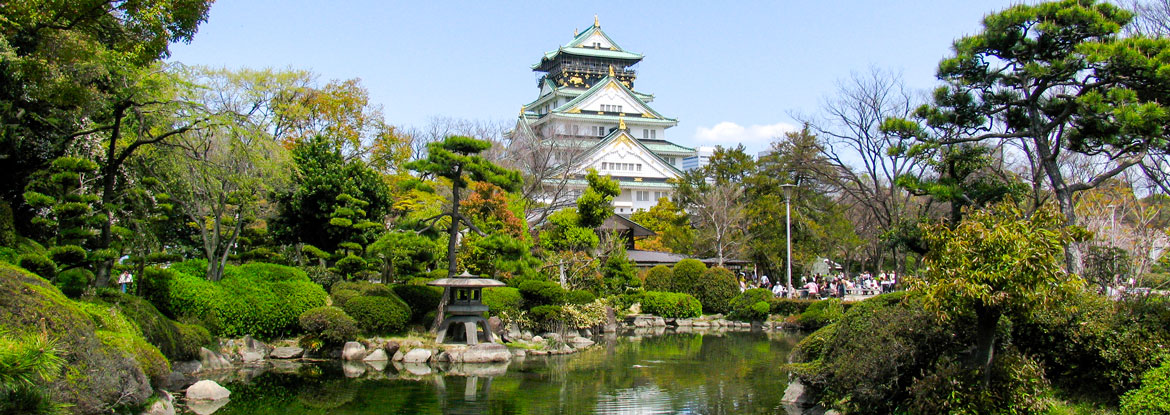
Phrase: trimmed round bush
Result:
[658,278]
[546,315]
[538,293]
[378,315]
[329,324]
[503,300]
[716,290]
[687,276]
[38,264]
[579,297]
[420,298]
[671,305]
[789,306]
[744,307]
[73,281]
[341,296]
[67,254]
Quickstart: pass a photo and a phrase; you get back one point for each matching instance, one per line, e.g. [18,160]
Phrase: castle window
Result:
[653,133]
[639,167]
[643,195]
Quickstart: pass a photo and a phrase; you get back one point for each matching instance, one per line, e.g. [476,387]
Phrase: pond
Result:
[713,373]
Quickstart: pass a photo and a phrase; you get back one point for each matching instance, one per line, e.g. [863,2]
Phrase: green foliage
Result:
[537,293]
[789,306]
[325,185]
[38,264]
[672,227]
[149,358]
[339,297]
[546,315]
[404,254]
[1094,346]
[177,341]
[26,364]
[422,299]
[249,300]
[659,278]
[671,305]
[596,203]
[1018,387]
[716,290]
[618,273]
[1153,397]
[71,255]
[377,314]
[503,301]
[821,313]
[687,276]
[743,306]
[579,297]
[74,281]
[331,325]
[564,234]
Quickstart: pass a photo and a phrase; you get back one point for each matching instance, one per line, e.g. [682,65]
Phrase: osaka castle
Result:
[589,114]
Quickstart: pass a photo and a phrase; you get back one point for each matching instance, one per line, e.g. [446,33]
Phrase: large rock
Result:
[251,357]
[210,360]
[256,346]
[581,342]
[378,355]
[391,347]
[165,405]
[513,332]
[353,351]
[479,353]
[286,353]
[417,356]
[496,325]
[207,390]
[187,367]
[796,394]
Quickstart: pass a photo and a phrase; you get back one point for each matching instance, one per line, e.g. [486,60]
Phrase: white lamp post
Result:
[788,232]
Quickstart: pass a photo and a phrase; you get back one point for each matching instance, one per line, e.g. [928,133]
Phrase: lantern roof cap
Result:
[466,280]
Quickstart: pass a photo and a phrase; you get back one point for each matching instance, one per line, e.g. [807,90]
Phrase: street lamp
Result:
[788,231]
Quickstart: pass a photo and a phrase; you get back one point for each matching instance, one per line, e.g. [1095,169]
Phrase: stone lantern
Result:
[465,306]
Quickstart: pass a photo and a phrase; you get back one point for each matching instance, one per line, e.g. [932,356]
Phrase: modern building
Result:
[701,158]
[589,112]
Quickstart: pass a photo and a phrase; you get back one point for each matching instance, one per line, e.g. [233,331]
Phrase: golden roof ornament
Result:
[596,23]
[522,107]
[610,71]
[574,32]
[621,123]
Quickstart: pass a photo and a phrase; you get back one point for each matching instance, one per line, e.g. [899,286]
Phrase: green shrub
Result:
[1017,386]
[671,305]
[421,299]
[341,296]
[38,264]
[67,254]
[244,302]
[505,301]
[658,279]
[821,313]
[74,281]
[378,315]
[545,313]
[743,306]
[789,306]
[272,272]
[579,297]
[331,325]
[154,285]
[537,293]
[1094,346]
[1153,397]
[116,331]
[26,363]
[687,276]
[716,290]
[364,288]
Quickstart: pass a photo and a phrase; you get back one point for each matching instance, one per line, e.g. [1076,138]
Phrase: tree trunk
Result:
[452,250]
[109,177]
[1073,254]
[987,319]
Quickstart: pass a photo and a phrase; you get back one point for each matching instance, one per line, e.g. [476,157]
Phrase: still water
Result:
[720,373]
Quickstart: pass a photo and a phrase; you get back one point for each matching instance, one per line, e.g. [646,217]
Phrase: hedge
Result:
[537,293]
[821,313]
[503,300]
[744,306]
[378,315]
[686,276]
[671,305]
[259,300]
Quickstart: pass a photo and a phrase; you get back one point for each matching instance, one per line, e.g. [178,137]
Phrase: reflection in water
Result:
[713,373]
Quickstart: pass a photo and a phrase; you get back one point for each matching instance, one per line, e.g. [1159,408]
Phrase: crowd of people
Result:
[820,286]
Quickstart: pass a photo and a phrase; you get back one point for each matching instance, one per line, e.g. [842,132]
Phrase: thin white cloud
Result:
[728,134]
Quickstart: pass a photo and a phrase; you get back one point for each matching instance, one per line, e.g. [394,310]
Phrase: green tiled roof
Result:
[614,118]
[663,146]
[601,84]
[595,53]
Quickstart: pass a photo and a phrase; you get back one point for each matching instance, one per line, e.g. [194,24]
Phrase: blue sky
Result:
[728,71]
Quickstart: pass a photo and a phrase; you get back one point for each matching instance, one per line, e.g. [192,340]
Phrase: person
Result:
[812,289]
[764,282]
[742,285]
[778,290]
[841,289]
